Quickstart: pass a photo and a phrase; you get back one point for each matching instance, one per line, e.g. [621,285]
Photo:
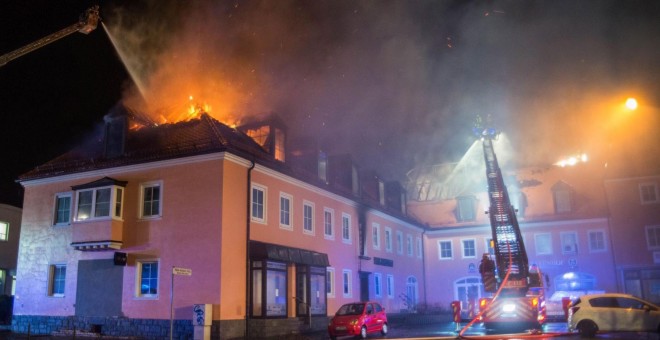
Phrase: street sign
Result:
[181,271]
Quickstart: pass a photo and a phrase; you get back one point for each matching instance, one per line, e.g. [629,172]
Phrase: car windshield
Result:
[351,309]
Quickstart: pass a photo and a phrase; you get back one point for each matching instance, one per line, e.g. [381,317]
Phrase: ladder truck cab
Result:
[519,298]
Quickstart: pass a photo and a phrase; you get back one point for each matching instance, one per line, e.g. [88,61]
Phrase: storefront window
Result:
[311,290]
[269,294]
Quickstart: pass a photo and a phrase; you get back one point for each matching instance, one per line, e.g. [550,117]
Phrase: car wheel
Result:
[587,328]
[363,332]
[384,330]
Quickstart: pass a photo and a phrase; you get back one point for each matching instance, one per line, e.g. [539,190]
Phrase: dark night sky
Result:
[396,83]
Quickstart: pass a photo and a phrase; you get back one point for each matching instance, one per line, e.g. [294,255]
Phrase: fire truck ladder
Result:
[509,247]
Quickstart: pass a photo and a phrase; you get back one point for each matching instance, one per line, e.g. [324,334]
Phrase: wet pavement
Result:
[555,331]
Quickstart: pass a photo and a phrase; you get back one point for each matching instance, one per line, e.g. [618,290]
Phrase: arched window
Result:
[468,288]
[412,296]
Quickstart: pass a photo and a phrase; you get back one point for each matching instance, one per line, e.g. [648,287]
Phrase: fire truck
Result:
[517,302]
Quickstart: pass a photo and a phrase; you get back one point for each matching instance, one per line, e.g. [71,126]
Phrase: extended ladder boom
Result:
[87,23]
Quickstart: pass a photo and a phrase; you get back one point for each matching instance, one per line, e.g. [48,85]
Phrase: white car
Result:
[589,314]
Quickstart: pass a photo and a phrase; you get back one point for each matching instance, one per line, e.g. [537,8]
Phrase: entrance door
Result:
[364,286]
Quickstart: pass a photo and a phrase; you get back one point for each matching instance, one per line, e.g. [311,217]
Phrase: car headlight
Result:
[354,322]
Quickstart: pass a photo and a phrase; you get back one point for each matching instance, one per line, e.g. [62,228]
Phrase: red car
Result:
[358,319]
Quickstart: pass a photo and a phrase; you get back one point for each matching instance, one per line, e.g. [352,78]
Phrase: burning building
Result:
[142,222]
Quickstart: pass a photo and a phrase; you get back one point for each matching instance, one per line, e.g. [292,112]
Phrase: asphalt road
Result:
[554,331]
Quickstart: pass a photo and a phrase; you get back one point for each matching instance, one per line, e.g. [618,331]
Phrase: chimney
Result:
[115,130]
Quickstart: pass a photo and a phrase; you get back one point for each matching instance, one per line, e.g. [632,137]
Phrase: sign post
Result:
[176,271]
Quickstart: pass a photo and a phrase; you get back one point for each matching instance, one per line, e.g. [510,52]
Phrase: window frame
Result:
[378,284]
[143,187]
[410,251]
[575,249]
[139,276]
[390,286]
[419,247]
[112,204]
[656,228]
[330,282]
[463,203]
[264,203]
[464,249]
[56,210]
[347,283]
[375,235]
[399,242]
[442,256]
[288,211]
[346,228]
[537,240]
[388,239]
[490,250]
[53,279]
[592,249]
[4,234]
[328,223]
[655,191]
[310,205]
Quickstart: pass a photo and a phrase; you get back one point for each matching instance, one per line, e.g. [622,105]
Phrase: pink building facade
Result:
[563,217]
[127,233]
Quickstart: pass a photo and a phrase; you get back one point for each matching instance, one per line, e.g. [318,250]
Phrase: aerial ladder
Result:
[518,298]
[87,23]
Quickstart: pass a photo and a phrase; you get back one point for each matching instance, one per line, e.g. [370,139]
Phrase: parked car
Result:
[358,319]
[589,314]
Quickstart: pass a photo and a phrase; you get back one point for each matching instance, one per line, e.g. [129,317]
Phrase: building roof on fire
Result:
[150,143]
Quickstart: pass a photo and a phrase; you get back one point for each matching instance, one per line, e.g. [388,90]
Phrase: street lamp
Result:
[631,104]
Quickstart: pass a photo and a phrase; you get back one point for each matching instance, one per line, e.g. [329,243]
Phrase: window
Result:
[597,241]
[269,288]
[649,193]
[375,233]
[151,202]
[56,279]
[381,192]
[543,244]
[311,291]
[419,247]
[388,239]
[519,201]
[323,166]
[346,228]
[469,248]
[390,286]
[285,211]
[346,283]
[147,279]
[330,282]
[308,218]
[399,242]
[490,246]
[258,204]
[62,209]
[328,222]
[561,194]
[409,245]
[96,203]
[569,242]
[653,236]
[378,284]
[4,231]
[444,250]
[465,208]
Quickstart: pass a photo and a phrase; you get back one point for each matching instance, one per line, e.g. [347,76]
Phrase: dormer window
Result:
[381,192]
[100,199]
[465,208]
[323,166]
[562,196]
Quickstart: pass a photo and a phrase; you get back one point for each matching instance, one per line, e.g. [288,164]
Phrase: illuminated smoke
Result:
[396,83]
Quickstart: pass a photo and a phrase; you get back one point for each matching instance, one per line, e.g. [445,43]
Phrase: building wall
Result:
[9,247]
[633,220]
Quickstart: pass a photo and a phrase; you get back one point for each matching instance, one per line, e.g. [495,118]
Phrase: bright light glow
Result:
[573,160]
[631,103]
[568,276]
[509,307]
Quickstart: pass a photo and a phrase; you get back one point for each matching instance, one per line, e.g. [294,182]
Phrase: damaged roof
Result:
[151,143]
